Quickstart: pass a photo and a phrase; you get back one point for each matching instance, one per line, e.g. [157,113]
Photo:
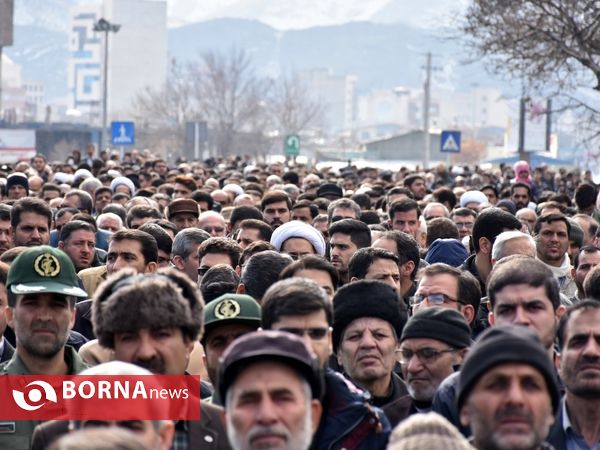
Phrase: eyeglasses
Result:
[434,299]
[468,225]
[202,270]
[215,229]
[426,355]
[315,333]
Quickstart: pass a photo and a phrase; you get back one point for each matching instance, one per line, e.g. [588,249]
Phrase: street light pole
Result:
[426,100]
[106,27]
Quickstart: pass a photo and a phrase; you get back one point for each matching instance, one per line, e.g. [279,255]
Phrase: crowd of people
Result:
[449,308]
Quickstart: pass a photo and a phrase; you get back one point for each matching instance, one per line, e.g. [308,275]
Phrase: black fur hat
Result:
[129,301]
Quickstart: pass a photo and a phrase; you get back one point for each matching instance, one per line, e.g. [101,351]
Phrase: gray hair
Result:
[182,244]
[501,240]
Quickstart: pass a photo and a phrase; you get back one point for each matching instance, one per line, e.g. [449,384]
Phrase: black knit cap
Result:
[442,324]
[501,345]
[366,298]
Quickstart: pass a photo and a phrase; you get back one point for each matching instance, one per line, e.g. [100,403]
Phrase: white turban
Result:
[473,197]
[297,229]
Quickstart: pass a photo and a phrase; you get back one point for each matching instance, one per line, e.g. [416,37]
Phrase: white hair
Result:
[504,237]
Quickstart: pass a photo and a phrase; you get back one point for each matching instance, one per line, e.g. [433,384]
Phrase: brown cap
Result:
[269,346]
[182,205]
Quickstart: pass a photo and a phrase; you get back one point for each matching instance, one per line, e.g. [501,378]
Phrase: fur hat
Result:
[366,298]
[128,301]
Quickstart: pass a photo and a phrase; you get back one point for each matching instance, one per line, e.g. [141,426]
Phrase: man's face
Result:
[162,351]
[302,214]
[587,261]
[127,253]
[276,214]
[343,213]
[181,191]
[102,199]
[70,201]
[268,408]
[442,283]
[50,194]
[367,350]
[190,264]
[418,188]
[32,230]
[423,374]
[16,192]
[41,323]
[212,259]
[59,222]
[580,356]
[385,270]
[5,236]
[509,408]
[215,226]
[38,164]
[110,224]
[321,277]
[552,242]
[491,195]
[313,329]
[522,304]
[80,246]
[247,236]
[520,197]
[297,248]
[408,222]
[464,225]
[527,217]
[342,249]
[184,220]
[217,340]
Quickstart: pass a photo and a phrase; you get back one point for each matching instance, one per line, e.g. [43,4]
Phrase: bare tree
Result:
[292,107]
[550,45]
[229,95]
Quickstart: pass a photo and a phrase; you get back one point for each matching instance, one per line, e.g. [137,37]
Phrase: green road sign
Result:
[292,145]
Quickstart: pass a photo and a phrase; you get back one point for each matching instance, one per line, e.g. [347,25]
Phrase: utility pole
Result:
[105,27]
[426,101]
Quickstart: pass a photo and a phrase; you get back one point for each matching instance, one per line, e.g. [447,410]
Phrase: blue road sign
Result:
[123,133]
[450,141]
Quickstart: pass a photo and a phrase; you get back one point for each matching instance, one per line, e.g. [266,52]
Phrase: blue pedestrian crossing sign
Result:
[450,141]
[123,133]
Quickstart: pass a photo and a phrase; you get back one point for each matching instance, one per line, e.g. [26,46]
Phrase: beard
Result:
[300,440]
[44,347]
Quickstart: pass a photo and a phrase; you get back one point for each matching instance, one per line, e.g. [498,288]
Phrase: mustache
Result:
[44,326]
[154,365]
[258,431]
[514,412]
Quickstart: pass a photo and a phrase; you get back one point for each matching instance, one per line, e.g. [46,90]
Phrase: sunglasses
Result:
[215,229]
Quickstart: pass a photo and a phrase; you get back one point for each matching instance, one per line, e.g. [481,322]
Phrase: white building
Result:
[137,55]
[336,93]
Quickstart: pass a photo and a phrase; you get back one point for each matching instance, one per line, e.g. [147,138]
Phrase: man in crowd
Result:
[375,264]
[153,321]
[30,219]
[416,184]
[507,390]
[276,207]
[252,230]
[298,239]
[520,194]
[257,372]
[300,307]
[78,241]
[42,288]
[184,252]
[213,223]
[6,349]
[365,337]
[552,238]
[404,216]
[183,212]
[448,287]
[225,319]
[464,219]
[433,343]
[6,238]
[576,424]
[346,236]
[586,259]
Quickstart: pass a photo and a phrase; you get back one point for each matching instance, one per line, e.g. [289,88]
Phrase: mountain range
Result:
[380,55]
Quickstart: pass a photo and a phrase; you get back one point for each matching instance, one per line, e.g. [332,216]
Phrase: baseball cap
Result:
[269,346]
[43,269]
[231,308]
